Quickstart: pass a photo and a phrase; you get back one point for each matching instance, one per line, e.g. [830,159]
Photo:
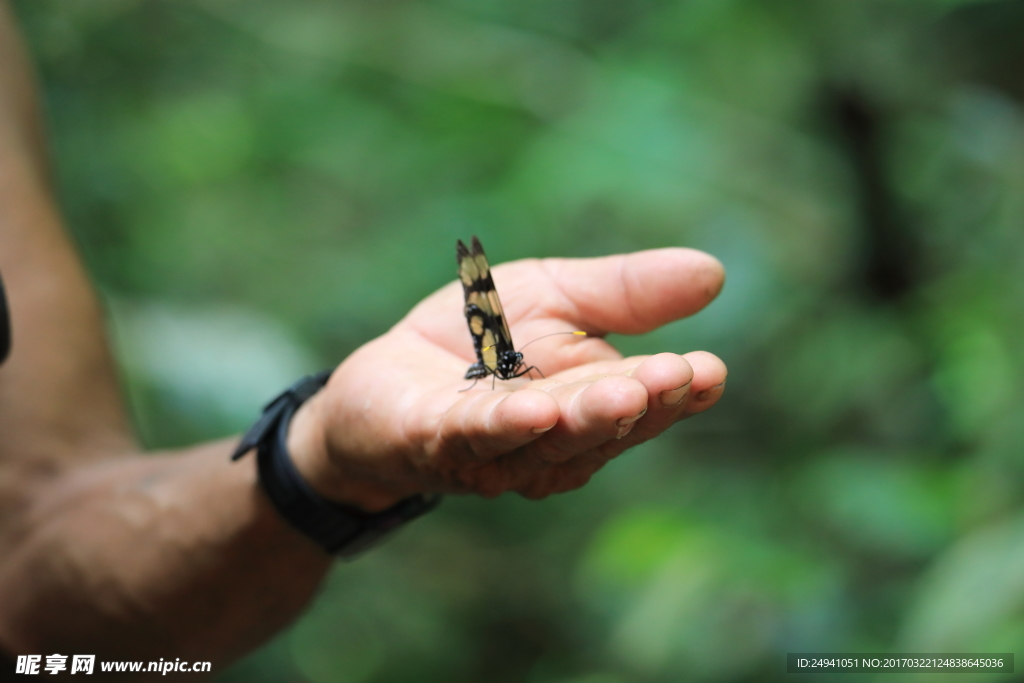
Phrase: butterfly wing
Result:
[492,339]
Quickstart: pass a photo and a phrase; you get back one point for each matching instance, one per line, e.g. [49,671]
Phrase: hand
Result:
[392,421]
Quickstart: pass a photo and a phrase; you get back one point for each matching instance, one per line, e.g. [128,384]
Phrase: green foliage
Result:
[240,169]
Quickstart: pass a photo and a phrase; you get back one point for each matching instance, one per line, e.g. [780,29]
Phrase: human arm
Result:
[101,546]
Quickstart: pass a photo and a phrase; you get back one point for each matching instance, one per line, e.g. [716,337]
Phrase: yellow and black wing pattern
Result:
[491,338]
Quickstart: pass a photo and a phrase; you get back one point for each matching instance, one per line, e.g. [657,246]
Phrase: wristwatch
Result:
[342,530]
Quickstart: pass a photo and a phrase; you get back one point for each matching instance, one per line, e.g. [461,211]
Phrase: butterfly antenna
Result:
[579,333]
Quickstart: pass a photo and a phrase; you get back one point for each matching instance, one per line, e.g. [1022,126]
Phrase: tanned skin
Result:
[110,550]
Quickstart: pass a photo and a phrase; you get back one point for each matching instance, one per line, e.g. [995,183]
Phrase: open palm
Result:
[394,419]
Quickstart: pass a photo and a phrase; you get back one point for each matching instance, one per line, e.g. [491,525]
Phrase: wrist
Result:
[325,471]
[340,526]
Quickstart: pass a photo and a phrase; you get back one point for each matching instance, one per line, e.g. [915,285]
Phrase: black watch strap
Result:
[5,326]
[340,529]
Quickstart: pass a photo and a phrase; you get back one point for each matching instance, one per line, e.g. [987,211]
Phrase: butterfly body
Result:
[492,339]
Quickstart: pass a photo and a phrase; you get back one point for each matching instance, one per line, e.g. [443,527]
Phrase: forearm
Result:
[164,555]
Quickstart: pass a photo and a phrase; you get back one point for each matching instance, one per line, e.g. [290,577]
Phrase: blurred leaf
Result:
[884,501]
[337,655]
[972,596]
[683,594]
[976,379]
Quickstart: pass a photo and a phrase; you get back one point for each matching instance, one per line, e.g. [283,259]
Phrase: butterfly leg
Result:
[528,370]
[470,386]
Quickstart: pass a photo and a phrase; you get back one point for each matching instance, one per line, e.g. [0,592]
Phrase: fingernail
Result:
[541,430]
[623,421]
[626,423]
[711,393]
[673,397]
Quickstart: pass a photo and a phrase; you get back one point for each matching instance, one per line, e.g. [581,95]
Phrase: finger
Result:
[596,369]
[709,374]
[668,378]
[635,293]
[592,414]
[561,352]
[489,424]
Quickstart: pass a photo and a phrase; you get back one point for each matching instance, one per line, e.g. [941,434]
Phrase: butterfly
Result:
[492,340]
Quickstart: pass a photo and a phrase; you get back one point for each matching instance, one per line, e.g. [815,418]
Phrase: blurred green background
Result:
[237,174]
